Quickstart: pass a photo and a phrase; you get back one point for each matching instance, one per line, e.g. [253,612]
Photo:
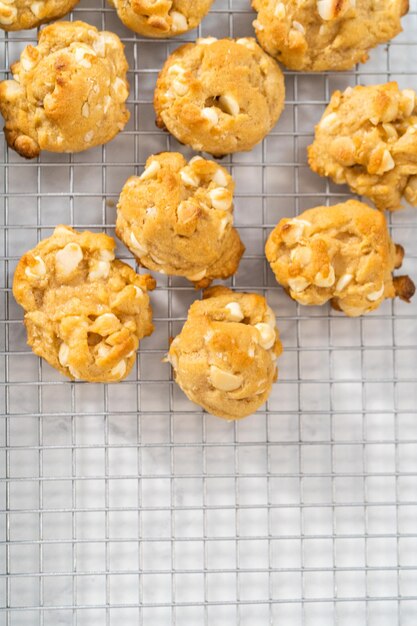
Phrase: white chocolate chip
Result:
[221,199]
[224,224]
[220,178]
[189,178]
[223,380]
[37,270]
[258,25]
[235,313]
[229,104]
[37,8]
[343,281]
[280,11]
[62,231]
[101,269]
[138,291]
[68,258]
[103,350]
[151,170]
[7,14]
[119,370]
[298,284]
[179,22]
[137,247]
[105,324]
[376,295]
[328,121]
[270,317]
[106,255]
[197,276]
[267,335]
[210,115]
[85,110]
[26,63]
[74,373]
[387,163]
[63,354]
[180,87]
[298,26]
[325,281]
[106,103]
[88,136]
[206,41]
[301,255]
[99,45]
[120,89]
[292,231]
[175,68]
[248,42]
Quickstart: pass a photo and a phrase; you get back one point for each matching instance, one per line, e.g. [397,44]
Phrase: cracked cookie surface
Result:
[161,18]
[342,253]
[177,218]
[85,312]
[219,96]
[68,93]
[224,358]
[320,35]
[367,138]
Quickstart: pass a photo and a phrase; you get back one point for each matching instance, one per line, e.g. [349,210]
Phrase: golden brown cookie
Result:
[161,18]
[177,218]
[367,138]
[84,311]
[68,93]
[219,96]
[342,253]
[224,358]
[319,35]
[25,14]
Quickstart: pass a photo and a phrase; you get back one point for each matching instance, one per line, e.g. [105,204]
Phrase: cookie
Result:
[25,14]
[177,218]
[367,138]
[224,358]
[85,312]
[161,18]
[321,35]
[219,96]
[342,253]
[68,93]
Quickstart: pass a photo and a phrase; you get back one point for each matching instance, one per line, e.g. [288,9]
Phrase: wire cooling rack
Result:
[125,504]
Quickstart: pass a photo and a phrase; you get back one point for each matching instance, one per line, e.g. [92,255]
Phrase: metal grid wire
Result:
[125,503]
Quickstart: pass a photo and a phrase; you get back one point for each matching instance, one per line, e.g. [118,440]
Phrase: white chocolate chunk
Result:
[293,230]
[387,163]
[248,42]
[100,269]
[298,284]
[106,255]
[325,281]
[298,26]
[206,41]
[88,136]
[280,11]
[103,350]
[376,295]
[229,104]
[37,270]
[151,170]
[138,291]
[120,89]
[119,370]
[270,318]
[221,199]
[179,22]
[409,101]
[138,249]
[235,312]
[301,255]
[180,87]
[328,121]
[189,178]
[85,110]
[68,258]
[7,14]
[74,373]
[223,380]
[343,281]
[63,354]
[105,324]
[197,276]
[37,8]
[267,335]
[209,113]
[175,68]
[220,178]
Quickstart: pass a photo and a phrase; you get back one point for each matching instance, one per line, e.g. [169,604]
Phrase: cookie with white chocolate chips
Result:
[177,218]
[85,312]
[367,138]
[219,96]
[224,358]
[25,14]
[68,93]
[342,253]
[161,18]
[320,35]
